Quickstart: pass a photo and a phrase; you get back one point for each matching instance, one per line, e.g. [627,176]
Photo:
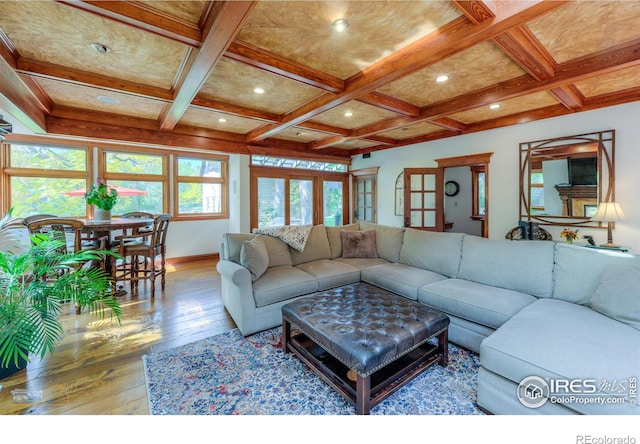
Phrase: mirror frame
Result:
[606,183]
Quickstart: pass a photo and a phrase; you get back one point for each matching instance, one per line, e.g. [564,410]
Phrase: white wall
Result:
[503,168]
[458,208]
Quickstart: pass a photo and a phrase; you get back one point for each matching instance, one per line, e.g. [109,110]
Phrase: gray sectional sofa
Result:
[567,315]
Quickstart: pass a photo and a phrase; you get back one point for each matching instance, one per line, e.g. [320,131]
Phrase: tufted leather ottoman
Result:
[364,341]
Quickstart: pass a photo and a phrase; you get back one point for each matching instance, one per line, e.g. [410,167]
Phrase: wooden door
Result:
[423,198]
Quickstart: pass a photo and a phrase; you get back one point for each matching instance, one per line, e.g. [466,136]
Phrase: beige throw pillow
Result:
[254,257]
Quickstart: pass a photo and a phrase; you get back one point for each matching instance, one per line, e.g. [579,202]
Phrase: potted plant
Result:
[35,281]
[102,198]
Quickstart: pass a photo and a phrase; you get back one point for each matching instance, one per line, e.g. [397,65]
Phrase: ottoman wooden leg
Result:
[286,335]
[363,395]
[443,347]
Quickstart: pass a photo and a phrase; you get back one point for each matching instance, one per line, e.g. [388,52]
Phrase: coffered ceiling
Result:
[185,73]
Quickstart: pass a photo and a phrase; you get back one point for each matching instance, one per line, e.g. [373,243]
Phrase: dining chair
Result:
[140,252]
[27,220]
[68,231]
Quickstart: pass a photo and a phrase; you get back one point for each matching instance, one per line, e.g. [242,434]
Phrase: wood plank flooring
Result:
[97,368]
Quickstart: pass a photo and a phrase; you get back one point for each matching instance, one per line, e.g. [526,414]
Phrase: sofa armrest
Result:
[236,273]
[237,295]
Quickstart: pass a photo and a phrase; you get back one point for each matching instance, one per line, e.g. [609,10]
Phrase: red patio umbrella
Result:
[122,191]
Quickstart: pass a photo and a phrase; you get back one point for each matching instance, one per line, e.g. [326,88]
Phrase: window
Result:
[37,176]
[144,177]
[201,186]
[296,196]
[478,184]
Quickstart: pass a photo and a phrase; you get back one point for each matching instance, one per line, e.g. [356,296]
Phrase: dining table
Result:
[105,229]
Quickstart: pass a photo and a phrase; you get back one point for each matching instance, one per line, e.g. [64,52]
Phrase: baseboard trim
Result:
[200,257]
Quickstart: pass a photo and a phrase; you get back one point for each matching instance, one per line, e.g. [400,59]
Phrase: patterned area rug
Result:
[229,374]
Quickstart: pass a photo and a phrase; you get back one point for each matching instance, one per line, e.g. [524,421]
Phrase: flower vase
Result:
[569,240]
[100,214]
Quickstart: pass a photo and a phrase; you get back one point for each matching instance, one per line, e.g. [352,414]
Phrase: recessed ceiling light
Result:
[109,100]
[258,90]
[348,114]
[442,78]
[222,120]
[494,106]
[299,134]
[340,25]
[102,49]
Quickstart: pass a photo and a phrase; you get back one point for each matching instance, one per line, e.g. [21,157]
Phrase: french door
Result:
[289,198]
[423,199]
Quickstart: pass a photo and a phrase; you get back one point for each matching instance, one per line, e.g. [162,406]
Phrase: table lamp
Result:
[609,212]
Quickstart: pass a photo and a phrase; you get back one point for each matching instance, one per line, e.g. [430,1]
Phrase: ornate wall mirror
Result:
[562,180]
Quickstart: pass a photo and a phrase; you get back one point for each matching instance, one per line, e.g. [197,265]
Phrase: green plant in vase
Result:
[103,198]
[36,280]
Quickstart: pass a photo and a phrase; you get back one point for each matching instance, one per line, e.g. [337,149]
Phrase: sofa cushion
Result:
[400,278]
[281,283]
[479,303]
[316,248]
[554,339]
[334,234]
[388,240]
[232,243]
[439,252]
[524,266]
[278,251]
[359,244]
[578,270]
[362,263]
[254,257]
[330,273]
[617,295]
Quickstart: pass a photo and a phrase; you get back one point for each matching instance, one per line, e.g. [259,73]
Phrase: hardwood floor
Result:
[97,368]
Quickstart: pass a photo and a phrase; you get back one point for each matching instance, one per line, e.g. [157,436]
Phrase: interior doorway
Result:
[466,193]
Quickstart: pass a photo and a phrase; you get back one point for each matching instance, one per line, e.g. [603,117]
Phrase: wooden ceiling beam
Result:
[526,50]
[142,16]
[19,95]
[48,70]
[236,110]
[389,103]
[570,96]
[275,64]
[455,37]
[114,132]
[222,27]
[476,11]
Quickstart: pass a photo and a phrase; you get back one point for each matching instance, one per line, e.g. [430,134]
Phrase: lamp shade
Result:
[608,212]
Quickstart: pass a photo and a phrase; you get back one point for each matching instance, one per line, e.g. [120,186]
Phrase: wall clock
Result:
[451,188]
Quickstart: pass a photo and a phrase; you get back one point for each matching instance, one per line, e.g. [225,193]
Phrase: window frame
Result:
[223,180]
[7,171]
[110,176]
[476,171]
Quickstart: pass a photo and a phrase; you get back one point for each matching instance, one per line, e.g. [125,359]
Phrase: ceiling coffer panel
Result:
[57,34]
[235,83]
[303,32]
[586,27]
[528,103]
[210,119]
[473,69]
[95,99]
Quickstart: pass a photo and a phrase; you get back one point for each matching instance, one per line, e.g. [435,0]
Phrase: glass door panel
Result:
[271,202]
[332,198]
[301,202]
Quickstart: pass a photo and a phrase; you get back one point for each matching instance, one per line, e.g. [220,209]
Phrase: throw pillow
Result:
[278,251]
[617,295]
[254,257]
[359,244]
[334,234]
